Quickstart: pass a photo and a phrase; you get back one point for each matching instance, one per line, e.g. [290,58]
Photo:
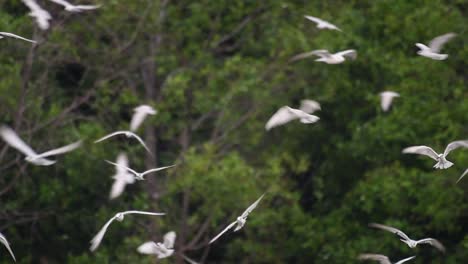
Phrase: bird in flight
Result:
[13,140]
[128,134]
[138,175]
[4,241]
[75,8]
[287,114]
[327,57]
[41,15]
[162,250]
[11,35]
[139,116]
[442,163]
[386,99]
[121,177]
[435,45]
[463,175]
[408,241]
[322,24]
[382,259]
[119,217]
[240,221]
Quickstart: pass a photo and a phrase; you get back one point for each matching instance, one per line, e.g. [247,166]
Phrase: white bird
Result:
[309,106]
[408,241]
[41,15]
[286,114]
[6,34]
[122,177]
[138,175]
[386,99]
[75,8]
[442,163]
[119,217]
[240,221]
[128,134]
[13,140]
[382,259]
[4,241]
[322,24]
[162,250]
[327,57]
[435,46]
[463,175]
[140,114]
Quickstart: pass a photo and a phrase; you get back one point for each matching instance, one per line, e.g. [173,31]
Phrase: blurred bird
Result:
[41,15]
[442,163]
[386,99]
[140,114]
[381,258]
[410,242]
[4,241]
[13,140]
[327,57]
[138,175]
[162,250]
[463,175]
[122,177]
[6,34]
[128,134]
[435,46]
[287,114]
[322,24]
[240,221]
[119,217]
[75,8]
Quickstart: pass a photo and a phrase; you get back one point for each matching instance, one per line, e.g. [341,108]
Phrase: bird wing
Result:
[351,53]
[422,46]
[87,7]
[100,235]
[454,145]
[404,260]
[149,248]
[141,142]
[320,53]
[13,140]
[156,169]
[422,150]
[436,44]
[314,19]
[61,150]
[122,166]
[6,34]
[142,212]
[222,232]
[281,117]
[463,175]
[251,207]
[4,241]
[117,188]
[433,242]
[390,229]
[189,260]
[122,161]
[41,15]
[380,258]
[169,239]
[62,2]
[386,99]
[110,135]
[309,106]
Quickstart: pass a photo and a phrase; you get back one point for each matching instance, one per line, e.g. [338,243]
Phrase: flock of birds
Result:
[126,175]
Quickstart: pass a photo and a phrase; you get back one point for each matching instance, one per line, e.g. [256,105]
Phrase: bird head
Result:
[119,217]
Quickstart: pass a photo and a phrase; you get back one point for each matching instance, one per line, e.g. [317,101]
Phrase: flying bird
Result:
[309,106]
[122,177]
[327,57]
[10,137]
[119,217]
[41,15]
[442,163]
[381,258]
[11,35]
[140,114]
[435,46]
[138,175]
[287,114]
[128,134]
[463,175]
[240,221]
[408,241]
[75,8]
[4,241]
[322,24]
[162,250]
[386,99]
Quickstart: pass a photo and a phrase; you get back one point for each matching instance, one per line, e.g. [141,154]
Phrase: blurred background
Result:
[216,71]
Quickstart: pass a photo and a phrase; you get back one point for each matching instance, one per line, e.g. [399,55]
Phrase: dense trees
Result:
[216,71]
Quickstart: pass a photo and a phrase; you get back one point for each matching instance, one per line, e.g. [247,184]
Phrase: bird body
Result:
[433,50]
[322,24]
[162,250]
[287,114]
[386,99]
[442,162]
[128,134]
[4,241]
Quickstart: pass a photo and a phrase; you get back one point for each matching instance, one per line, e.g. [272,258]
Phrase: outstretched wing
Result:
[436,44]
[251,207]
[13,140]
[87,7]
[169,239]
[433,242]
[4,241]
[404,260]
[61,150]
[149,248]
[6,34]
[421,150]
[321,53]
[463,175]
[390,229]
[281,117]
[141,142]
[142,212]
[122,161]
[386,99]
[110,135]
[156,169]
[96,241]
[309,106]
[351,53]
[314,19]
[455,145]
[117,188]
[380,258]
[222,232]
